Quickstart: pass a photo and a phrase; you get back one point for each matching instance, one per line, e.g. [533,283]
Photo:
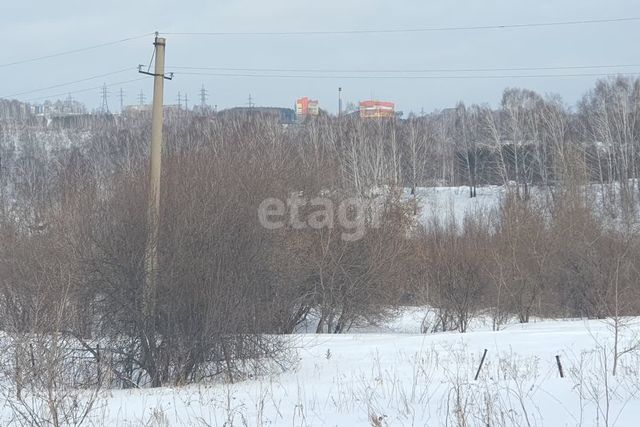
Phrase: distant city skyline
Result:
[227,64]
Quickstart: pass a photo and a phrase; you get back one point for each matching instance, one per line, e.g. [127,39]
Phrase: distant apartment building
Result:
[377,109]
[307,107]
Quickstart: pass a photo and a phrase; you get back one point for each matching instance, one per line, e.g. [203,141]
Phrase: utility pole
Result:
[155,163]
[141,98]
[186,102]
[339,101]
[179,101]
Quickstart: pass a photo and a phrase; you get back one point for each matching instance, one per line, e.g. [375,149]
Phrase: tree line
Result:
[73,227]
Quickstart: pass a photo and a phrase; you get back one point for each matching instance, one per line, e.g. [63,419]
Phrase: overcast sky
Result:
[36,28]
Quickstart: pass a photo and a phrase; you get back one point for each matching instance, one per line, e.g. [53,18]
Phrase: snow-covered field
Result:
[453,203]
[393,377]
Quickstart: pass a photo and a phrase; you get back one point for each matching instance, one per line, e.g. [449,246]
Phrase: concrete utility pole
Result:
[155,163]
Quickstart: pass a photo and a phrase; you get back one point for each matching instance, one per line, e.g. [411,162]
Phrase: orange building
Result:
[307,107]
[377,109]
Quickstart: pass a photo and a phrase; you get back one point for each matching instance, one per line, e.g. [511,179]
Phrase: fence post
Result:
[559,366]
[480,366]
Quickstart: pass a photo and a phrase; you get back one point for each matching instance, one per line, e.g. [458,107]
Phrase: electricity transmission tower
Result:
[121,96]
[250,103]
[203,97]
[141,98]
[68,104]
[104,107]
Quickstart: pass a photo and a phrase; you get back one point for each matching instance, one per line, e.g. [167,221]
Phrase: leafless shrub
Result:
[455,260]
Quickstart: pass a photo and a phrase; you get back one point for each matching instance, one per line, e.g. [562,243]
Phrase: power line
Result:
[406,30]
[69,83]
[423,70]
[291,73]
[319,70]
[406,77]
[87,89]
[70,52]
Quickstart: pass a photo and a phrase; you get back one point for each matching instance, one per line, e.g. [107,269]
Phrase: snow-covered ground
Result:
[453,203]
[399,378]
[391,375]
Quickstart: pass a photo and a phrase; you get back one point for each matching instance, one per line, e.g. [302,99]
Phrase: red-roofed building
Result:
[307,107]
[377,109]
